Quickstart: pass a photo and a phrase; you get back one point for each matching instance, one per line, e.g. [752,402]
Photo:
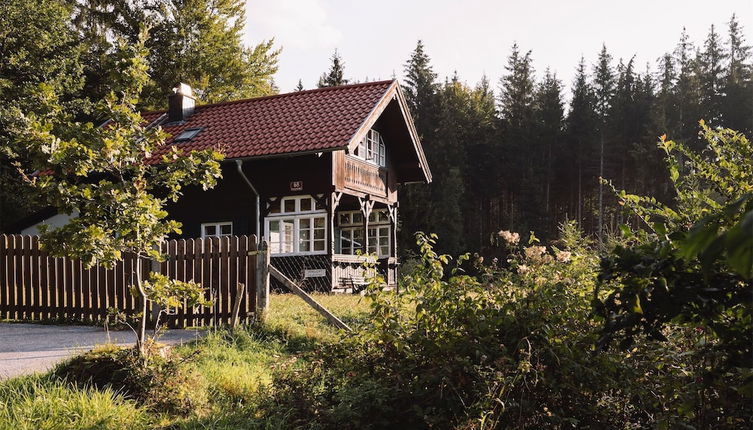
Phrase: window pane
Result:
[274,207]
[227,229]
[319,222]
[304,235]
[288,229]
[319,234]
[372,216]
[318,245]
[288,205]
[304,246]
[384,216]
[384,251]
[319,205]
[210,230]
[357,218]
[344,218]
[305,204]
[305,223]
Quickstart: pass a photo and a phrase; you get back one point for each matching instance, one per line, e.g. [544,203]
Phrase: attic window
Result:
[187,135]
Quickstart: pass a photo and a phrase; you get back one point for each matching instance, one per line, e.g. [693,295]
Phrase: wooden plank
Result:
[196,277]
[181,253]
[234,294]
[206,279]
[308,299]
[223,274]
[242,276]
[16,300]
[3,276]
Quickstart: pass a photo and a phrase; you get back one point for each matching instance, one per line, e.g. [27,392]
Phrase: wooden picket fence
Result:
[37,286]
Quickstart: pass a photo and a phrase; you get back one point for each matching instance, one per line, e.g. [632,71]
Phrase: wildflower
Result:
[522,269]
[563,256]
[509,237]
[534,252]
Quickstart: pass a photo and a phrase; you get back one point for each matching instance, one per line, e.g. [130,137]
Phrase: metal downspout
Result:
[239,166]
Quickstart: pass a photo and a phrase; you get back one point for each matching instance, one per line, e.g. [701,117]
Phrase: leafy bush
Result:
[511,346]
[686,280]
[162,384]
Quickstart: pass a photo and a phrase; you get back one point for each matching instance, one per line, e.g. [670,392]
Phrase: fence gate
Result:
[37,286]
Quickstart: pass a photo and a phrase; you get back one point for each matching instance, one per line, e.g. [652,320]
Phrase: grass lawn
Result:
[230,368]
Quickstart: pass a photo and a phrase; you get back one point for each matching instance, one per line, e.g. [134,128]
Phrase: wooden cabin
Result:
[314,172]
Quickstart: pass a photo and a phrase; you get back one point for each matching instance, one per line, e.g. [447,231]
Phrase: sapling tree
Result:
[108,179]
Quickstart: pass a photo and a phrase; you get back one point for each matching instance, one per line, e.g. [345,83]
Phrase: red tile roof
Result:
[315,120]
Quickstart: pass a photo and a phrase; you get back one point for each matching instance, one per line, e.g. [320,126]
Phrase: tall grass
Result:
[41,403]
[236,367]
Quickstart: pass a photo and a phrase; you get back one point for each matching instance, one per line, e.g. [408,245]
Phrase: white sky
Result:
[474,37]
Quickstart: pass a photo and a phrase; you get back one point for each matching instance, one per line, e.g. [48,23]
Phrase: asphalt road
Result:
[28,348]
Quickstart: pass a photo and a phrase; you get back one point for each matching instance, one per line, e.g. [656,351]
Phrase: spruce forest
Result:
[526,153]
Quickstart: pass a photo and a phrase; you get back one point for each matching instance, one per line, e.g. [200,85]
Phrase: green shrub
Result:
[162,384]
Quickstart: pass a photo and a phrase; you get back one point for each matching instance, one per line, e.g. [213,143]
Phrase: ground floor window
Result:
[351,233]
[351,240]
[299,231]
[379,241]
[216,229]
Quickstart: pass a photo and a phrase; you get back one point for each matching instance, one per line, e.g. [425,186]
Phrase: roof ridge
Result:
[288,94]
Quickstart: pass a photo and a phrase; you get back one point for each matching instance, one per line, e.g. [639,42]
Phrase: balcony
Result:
[364,176]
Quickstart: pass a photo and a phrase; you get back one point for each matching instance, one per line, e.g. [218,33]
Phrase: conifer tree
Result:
[549,112]
[335,75]
[687,88]
[581,126]
[516,108]
[711,73]
[737,109]
[420,88]
[603,84]
[299,87]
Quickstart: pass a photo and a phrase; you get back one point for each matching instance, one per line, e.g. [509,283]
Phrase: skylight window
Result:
[187,135]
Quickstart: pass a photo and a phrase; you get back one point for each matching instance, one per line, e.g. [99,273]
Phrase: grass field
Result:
[231,368]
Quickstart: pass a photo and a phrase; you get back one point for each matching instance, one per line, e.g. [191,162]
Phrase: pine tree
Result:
[737,109]
[420,88]
[603,84]
[687,89]
[711,67]
[666,112]
[299,87]
[335,76]
[516,108]
[581,126]
[549,110]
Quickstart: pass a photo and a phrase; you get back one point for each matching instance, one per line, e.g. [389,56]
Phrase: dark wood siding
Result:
[232,200]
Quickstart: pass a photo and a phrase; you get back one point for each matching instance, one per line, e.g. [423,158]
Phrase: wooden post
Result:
[262,280]
[155,267]
[308,299]
[240,288]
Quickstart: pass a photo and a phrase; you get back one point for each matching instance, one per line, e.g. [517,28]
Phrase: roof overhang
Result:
[394,92]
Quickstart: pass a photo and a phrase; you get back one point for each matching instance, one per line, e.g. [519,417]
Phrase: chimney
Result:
[181,103]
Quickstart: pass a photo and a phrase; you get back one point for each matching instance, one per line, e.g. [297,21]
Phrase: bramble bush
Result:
[511,346]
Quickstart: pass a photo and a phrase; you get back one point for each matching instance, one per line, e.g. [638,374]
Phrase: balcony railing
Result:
[364,176]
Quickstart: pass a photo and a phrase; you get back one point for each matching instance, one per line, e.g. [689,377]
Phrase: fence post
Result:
[156,267]
[262,280]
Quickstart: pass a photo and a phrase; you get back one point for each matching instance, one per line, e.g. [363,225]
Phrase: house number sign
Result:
[296,185]
[314,273]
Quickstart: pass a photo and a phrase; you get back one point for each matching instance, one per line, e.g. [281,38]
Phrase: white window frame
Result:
[374,223]
[372,149]
[295,217]
[218,228]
